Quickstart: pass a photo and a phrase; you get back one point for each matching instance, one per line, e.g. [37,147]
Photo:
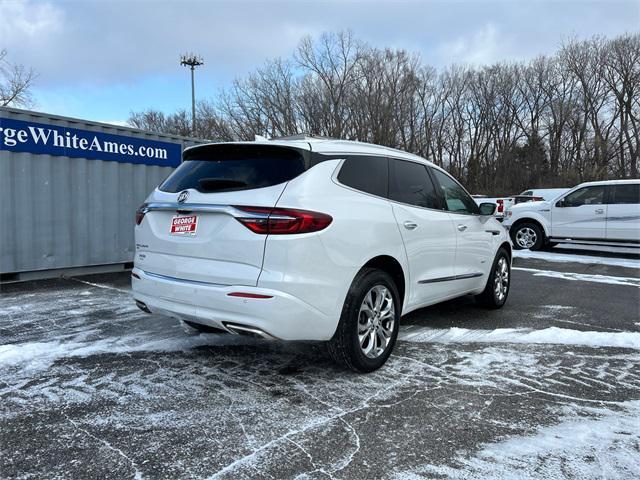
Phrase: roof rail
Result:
[303,136]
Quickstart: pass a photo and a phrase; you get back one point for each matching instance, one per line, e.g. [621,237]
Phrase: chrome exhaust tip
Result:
[142,306]
[250,331]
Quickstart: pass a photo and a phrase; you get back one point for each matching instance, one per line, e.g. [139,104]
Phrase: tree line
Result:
[556,120]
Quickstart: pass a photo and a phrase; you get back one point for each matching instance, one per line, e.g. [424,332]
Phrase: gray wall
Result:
[62,212]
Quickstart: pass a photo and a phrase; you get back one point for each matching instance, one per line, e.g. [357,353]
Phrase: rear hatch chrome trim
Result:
[201,207]
[211,208]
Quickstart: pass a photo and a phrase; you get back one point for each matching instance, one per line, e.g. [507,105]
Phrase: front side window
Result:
[367,174]
[410,183]
[625,194]
[585,196]
[456,199]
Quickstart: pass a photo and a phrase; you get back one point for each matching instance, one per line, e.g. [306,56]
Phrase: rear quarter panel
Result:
[319,267]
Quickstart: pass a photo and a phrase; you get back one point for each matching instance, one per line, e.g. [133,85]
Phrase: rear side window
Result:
[410,183]
[367,174]
[625,193]
[224,168]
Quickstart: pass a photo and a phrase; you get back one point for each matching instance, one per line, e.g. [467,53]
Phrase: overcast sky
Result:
[101,59]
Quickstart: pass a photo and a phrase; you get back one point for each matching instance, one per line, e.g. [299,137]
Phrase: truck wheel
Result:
[497,290]
[527,235]
[368,326]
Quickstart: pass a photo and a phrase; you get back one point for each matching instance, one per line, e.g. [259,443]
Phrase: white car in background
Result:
[311,239]
[593,213]
[539,194]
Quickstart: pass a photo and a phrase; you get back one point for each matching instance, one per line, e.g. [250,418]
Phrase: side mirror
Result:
[487,208]
[560,203]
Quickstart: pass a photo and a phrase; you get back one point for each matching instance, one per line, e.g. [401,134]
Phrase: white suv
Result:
[314,239]
[600,213]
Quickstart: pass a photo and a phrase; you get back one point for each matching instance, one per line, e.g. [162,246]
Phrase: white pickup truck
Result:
[537,194]
[596,213]
[502,204]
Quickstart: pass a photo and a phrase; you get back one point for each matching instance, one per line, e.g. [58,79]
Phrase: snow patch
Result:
[551,335]
[586,259]
[40,355]
[582,277]
[602,445]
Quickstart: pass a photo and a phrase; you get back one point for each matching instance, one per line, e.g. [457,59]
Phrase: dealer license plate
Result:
[184,225]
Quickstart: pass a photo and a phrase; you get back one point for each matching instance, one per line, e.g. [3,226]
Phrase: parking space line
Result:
[549,336]
[582,277]
[98,285]
[573,258]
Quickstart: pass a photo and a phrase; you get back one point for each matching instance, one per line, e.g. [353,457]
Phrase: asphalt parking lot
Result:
[548,387]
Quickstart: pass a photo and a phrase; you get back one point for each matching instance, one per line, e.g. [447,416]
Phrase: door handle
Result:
[410,225]
[600,210]
[462,228]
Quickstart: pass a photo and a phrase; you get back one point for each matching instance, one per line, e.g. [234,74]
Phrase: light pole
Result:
[193,61]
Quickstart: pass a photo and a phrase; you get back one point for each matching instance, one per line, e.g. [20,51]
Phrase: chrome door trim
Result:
[454,277]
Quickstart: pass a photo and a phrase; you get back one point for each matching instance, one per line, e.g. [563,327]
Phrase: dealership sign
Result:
[38,138]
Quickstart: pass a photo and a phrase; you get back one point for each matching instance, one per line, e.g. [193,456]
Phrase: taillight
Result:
[500,203]
[140,213]
[282,221]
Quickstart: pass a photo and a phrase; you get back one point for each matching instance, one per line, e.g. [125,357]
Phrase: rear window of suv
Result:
[225,167]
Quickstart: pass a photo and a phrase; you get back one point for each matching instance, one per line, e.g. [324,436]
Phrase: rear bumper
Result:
[282,316]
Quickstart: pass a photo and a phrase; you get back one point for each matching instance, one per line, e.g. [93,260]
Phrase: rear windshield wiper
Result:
[220,184]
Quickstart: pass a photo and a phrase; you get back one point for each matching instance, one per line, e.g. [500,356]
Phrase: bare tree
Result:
[15,83]
[621,65]
[333,61]
[178,123]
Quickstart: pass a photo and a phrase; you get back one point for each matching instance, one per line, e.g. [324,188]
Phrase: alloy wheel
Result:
[501,279]
[526,237]
[376,321]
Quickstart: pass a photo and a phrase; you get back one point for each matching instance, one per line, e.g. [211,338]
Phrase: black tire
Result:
[527,230]
[489,298]
[549,245]
[344,347]
[203,328]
